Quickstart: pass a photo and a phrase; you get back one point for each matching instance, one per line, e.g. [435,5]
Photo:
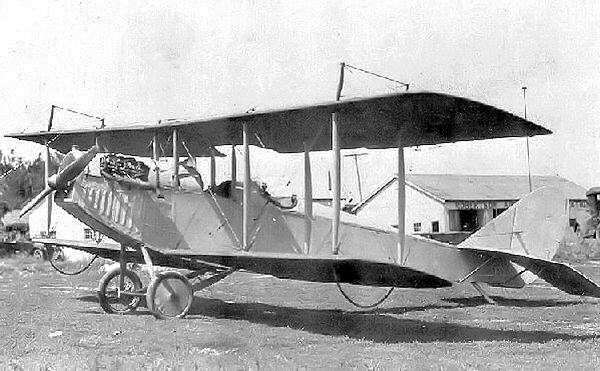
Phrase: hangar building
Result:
[447,203]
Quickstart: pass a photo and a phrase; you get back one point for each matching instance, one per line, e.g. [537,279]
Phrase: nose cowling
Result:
[73,164]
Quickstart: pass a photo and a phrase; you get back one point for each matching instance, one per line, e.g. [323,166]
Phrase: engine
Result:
[125,167]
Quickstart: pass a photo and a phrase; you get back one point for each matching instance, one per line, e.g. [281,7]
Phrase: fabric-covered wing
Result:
[331,269]
[375,122]
[286,266]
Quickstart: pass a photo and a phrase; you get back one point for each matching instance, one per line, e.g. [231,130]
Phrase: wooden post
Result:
[308,200]
[401,204]
[337,186]
[246,194]
[175,160]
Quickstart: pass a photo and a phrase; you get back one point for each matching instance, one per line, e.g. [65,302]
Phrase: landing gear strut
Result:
[485,295]
[169,294]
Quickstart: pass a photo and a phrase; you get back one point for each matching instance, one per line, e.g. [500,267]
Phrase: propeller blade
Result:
[35,201]
[61,180]
[73,169]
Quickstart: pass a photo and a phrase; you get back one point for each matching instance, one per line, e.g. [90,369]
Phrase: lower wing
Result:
[328,268]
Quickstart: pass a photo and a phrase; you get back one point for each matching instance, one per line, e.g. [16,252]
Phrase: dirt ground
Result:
[50,321]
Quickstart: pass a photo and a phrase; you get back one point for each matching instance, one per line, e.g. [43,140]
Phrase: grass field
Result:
[50,321]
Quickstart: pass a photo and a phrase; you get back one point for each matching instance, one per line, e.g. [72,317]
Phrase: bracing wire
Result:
[72,273]
[9,171]
[406,85]
[355,303]
[79,113]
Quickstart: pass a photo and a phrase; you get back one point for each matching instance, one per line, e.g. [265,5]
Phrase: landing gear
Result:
[39,254]
[488,299]
[120,300]
[169,295]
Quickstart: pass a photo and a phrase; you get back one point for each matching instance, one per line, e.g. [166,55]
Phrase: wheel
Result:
[38,253]
[57,254]
[169,295]
[108,291]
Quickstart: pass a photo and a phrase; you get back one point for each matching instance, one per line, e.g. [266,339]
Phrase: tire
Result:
[108,292]
[169,295]
[57,254]
[38,254]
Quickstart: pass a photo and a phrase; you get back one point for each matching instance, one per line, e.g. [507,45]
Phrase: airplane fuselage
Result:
[209,223]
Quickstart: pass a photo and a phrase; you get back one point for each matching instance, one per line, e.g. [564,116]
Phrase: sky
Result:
[140,61]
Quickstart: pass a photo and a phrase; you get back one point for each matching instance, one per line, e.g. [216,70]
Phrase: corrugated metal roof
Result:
[454,187]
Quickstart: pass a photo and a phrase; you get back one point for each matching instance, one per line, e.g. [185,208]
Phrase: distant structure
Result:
[62,225]
[14,228]
[461,203]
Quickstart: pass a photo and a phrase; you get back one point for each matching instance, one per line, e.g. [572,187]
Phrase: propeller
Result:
[73,164]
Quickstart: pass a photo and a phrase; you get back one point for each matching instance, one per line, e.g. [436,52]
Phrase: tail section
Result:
[532,227]
[528,235]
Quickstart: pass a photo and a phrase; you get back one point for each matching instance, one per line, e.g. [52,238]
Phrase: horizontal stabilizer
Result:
[557,274]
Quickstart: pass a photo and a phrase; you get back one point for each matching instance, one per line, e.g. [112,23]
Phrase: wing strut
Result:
[49,199]
[47,175]
[233,171]
[246,194]
[155,157]
[213,168]
[175,160]
[308,200]
[401,204]
[335,149]
[337,185]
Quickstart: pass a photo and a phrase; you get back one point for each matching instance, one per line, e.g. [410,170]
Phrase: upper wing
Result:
[375,122]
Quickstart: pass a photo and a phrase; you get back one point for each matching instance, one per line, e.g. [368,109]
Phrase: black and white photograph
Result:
[307,185]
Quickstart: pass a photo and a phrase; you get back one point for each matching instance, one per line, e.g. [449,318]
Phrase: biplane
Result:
[211,230]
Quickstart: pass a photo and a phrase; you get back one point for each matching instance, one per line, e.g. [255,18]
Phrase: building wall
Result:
[65,226]
[419,209]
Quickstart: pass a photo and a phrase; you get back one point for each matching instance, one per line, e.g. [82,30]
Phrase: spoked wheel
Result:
[169,295]
[38,254]
[108,291]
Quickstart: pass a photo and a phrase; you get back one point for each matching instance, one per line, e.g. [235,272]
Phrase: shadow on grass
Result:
[507,302]
[370,326]
[376,325]
[94,299]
